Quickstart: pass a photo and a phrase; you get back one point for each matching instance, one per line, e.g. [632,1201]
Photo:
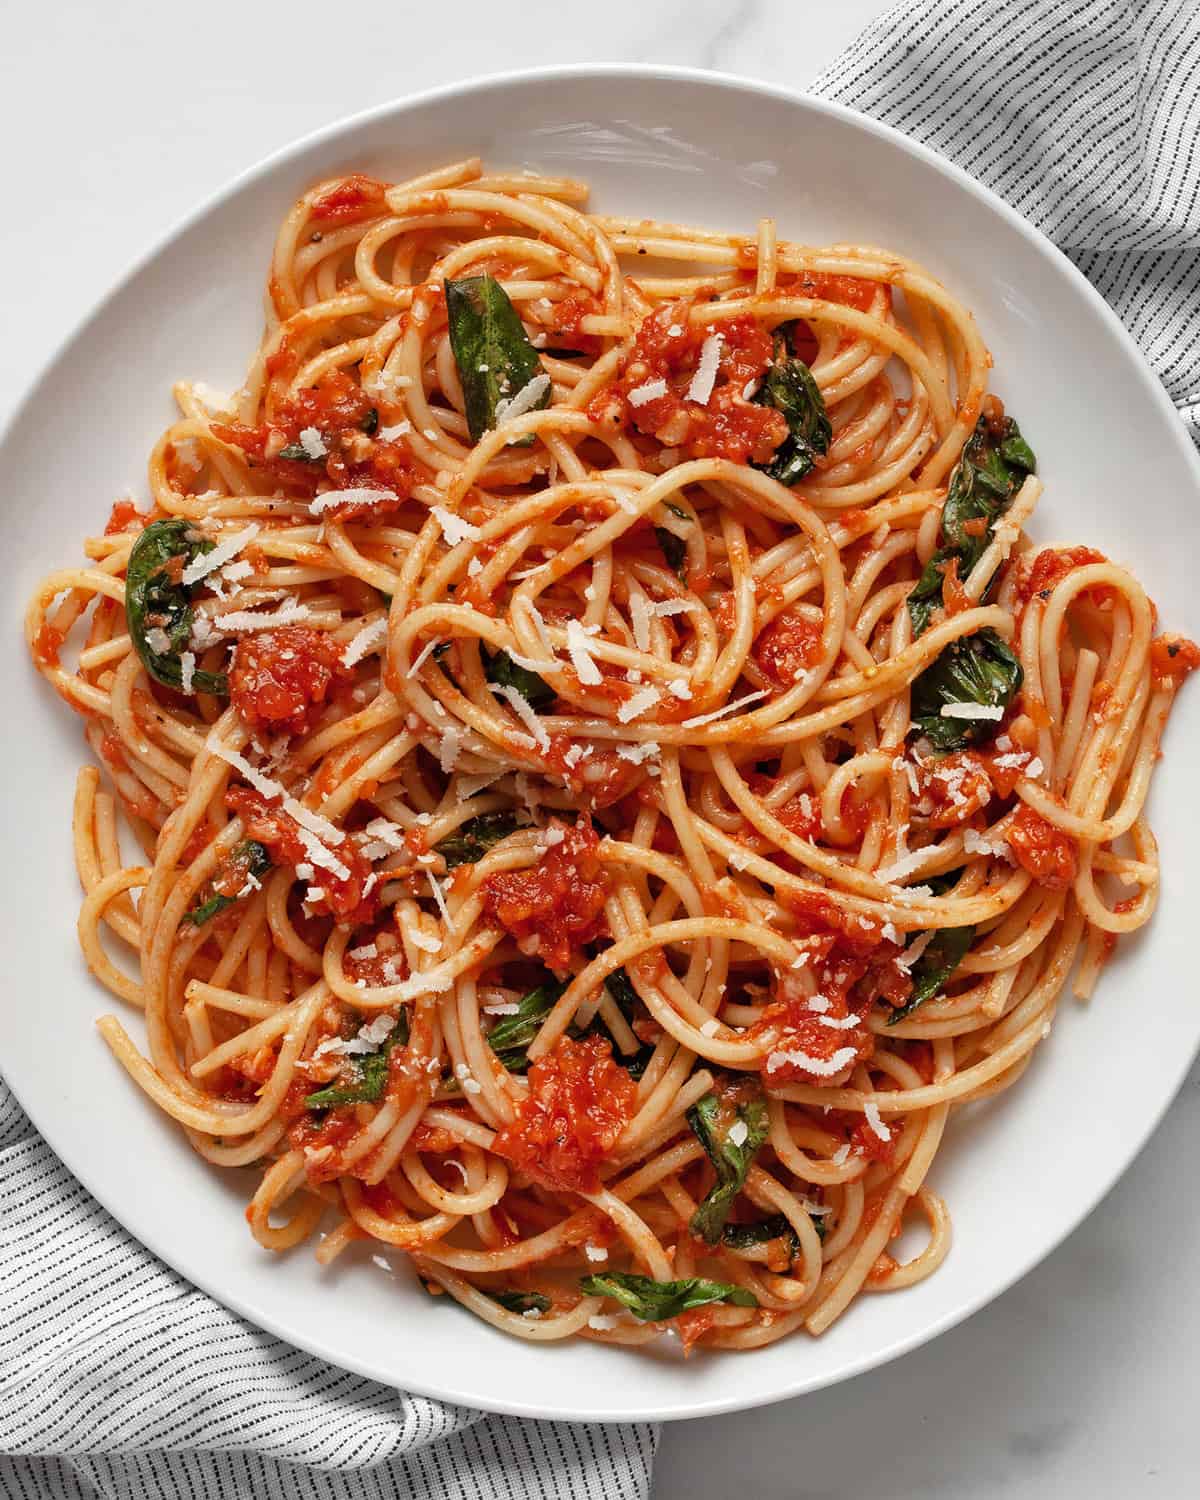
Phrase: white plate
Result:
[1019,1173]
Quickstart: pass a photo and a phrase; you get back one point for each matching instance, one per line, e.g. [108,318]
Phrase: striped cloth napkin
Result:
[119,1379]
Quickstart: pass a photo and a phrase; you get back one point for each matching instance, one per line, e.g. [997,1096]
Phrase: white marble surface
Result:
[116,120]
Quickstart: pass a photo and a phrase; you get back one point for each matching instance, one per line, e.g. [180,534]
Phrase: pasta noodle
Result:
[609,769]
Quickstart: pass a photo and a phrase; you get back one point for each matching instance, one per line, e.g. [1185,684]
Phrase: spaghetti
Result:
[611,770]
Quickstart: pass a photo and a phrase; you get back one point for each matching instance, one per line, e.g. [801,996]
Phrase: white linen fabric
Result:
[117,1377]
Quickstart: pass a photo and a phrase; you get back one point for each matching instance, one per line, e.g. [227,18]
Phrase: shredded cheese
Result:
[720,713]
[373,634]
[579,648]
[524,711]
[972,711]
[525,400]
[205,563]
[871,1110]
[650,390]
[454,528]
[705,377]
[633,707]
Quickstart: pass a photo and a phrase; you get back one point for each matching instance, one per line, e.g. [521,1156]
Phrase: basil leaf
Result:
[677,510]
[653,1301]
[372,1071]
[511,1036]
[991,469]
[504,672]
[471,841]
[249,856]
[713,1119]
[763,1231]
[154,602]
[620,987]
[977,668]
[674,549]
[929,974]
[491,349]
[790,388]
[521,1302]
[370,423]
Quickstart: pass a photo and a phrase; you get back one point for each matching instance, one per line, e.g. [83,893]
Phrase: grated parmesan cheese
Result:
[972,711]
[187,669]
[290,612]
[705,377]
[454,528]
[823,1067]
[738,1132]
[373,634]
[642,700]
[579,648]
[525,400]
[651,390]
[313,443]
[208,562]
[720,713]
[354,496]
[871,1110]
[524,711]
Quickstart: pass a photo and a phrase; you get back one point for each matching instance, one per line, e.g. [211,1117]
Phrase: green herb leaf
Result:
[370,423]
[977,668]
[372,1071]
[471,840]
[620,987]
[522,1302]
[677,510]
[763,1231]
[299,454]
[942,955]
[790,388]
[153,601]
[491,348]
[653,1301]
[511,1036]
[248,858]
[991,469]
[714,1118]
[504,672]
[674,549]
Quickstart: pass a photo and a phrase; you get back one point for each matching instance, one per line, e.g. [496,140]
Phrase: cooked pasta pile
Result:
[612,771]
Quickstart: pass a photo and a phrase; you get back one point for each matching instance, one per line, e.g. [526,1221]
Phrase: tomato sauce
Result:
[1050,855]
[953,788]
[269,825]
[557,906]
[667,348]
[828,286]
[280,680]
[579,1102]
[352,899]
[125,516]
[1172,657]
[47,645]
[787,647]
[355,197]
[864,1141]
[801,1047]
[1038,579]
[340,411]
